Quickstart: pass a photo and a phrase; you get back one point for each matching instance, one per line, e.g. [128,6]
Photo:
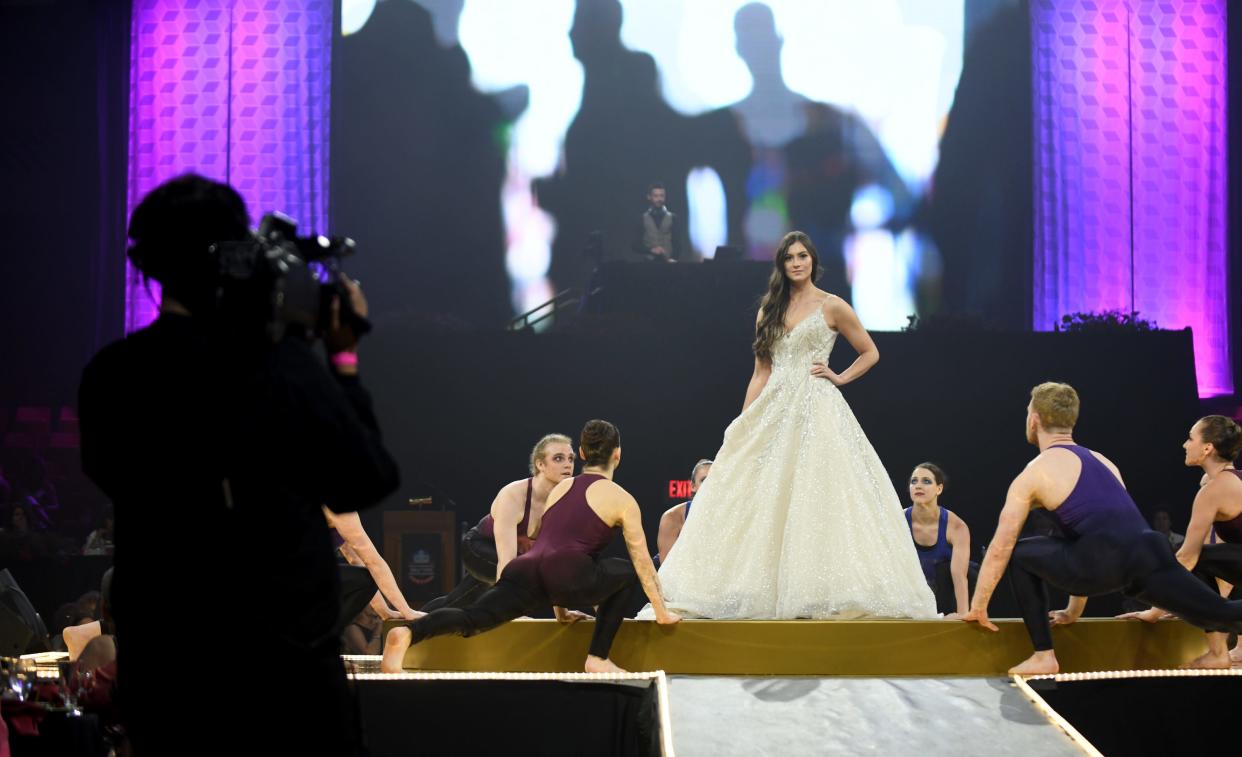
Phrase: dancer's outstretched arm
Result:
[1013,516]
[506,514]
[1071,613]
[1202,516]
[959,563]
[636,543]
[349,526]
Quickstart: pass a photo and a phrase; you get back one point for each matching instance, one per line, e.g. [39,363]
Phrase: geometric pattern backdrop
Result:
[1131,168]
[235,90]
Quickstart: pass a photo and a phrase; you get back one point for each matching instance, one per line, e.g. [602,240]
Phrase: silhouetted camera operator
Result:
[218,432]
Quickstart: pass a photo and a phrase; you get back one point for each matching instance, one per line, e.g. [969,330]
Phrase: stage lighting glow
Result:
[509,46]
[710,221]
[1131,169]
[888,67]
[355,14]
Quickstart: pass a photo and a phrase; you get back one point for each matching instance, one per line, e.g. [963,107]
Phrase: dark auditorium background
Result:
[419,157]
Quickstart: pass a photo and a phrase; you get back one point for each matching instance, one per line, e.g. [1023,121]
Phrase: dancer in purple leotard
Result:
[1108,546]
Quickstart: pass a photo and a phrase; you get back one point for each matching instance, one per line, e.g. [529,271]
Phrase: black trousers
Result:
[565,579]
[946,598]
[1223,561]
[478,555]
[1140,566]
[357,589]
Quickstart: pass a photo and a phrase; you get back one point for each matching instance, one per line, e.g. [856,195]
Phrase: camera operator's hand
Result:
[340,337]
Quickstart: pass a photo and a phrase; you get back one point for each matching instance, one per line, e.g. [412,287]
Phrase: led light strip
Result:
[1053,716]
[468,676]
[1108,675]
[658,676]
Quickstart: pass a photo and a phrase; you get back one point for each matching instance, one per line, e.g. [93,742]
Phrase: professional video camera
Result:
[284,282]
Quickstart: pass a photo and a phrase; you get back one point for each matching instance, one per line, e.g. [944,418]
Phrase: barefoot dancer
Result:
[563,567]
[946,559]
[1109,547]
[1213,444]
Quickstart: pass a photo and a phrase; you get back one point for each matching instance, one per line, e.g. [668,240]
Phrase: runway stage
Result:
[813,647]
[799,687]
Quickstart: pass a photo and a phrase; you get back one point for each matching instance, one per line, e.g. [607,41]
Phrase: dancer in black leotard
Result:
[1109,547]
[563,567]
[1213,445]
[505,532]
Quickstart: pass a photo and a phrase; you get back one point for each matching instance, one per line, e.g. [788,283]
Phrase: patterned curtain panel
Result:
[235,90]
[1131,168]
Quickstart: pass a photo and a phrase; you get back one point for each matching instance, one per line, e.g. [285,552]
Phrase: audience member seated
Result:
[78,635]
[32,487]
[22,540]
[942,540]
[66,616]
[6,489]
[100,540]
[1213,445]
[99,652]
[1162,523]
[674,518]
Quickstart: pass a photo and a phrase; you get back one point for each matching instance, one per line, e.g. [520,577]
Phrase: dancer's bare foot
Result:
[601,665]
[395,644]
[77,637]
[1038,664]
[1235,655]
[1209,660]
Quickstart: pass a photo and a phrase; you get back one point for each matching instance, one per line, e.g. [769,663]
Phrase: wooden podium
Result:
[421,548]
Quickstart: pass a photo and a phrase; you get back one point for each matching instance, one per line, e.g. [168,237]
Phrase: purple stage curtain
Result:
[1131,168]
[235,90]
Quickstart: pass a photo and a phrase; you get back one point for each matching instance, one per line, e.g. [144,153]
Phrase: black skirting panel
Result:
[1141,716]
[456,717]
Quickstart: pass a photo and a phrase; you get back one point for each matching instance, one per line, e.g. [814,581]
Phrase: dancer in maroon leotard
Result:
[563,567]
[1213,444]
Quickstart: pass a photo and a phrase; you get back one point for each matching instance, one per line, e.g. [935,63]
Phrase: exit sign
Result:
[679,489]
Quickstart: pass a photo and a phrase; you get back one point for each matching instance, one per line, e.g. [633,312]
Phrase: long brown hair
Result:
[771,326]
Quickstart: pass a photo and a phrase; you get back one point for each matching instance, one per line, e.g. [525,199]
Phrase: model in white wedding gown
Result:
[798,518]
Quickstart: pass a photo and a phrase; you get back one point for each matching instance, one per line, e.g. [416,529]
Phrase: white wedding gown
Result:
[798,518]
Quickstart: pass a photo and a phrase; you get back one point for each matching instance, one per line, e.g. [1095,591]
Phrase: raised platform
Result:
[813,647]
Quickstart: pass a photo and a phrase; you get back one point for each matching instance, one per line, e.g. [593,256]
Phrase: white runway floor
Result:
[790,717]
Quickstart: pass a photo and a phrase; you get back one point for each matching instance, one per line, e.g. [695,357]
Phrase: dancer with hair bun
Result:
[563,567]
[1213,444]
